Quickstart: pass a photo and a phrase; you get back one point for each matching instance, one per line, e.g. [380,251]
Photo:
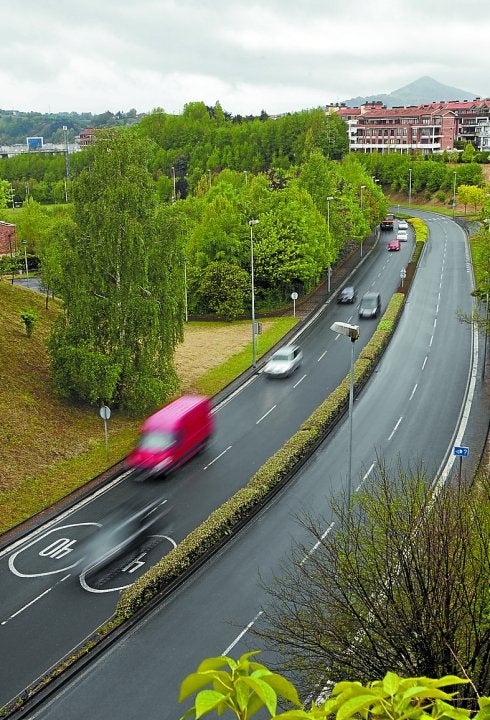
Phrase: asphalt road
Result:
[411,408]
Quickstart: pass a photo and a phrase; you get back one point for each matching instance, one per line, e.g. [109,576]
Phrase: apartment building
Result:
[429,128]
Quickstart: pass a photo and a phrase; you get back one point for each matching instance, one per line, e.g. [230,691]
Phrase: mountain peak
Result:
[423,90]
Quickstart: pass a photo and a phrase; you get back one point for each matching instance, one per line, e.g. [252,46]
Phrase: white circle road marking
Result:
[12,558]
[88,588]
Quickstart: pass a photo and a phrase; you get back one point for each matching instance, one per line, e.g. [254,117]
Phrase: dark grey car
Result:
[347,295]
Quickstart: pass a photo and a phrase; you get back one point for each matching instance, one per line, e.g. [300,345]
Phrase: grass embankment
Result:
[49,447]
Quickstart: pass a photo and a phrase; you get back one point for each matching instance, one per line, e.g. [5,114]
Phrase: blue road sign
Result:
[461,451]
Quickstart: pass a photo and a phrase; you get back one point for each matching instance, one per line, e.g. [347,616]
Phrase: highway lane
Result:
[410,410]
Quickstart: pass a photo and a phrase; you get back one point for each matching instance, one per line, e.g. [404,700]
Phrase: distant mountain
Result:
[423,90]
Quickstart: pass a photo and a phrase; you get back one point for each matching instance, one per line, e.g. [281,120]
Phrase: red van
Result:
[172,435]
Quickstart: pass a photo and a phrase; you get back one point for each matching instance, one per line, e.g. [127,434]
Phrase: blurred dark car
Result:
[347,295]
[122,529]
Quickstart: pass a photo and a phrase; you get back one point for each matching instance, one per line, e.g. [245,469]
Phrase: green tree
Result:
[401,585]
[122,292]
[244,687]
[223,287]
[29,318]
[32,224]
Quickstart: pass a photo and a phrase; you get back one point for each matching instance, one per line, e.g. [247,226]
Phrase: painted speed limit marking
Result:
[61,548]
[135,564]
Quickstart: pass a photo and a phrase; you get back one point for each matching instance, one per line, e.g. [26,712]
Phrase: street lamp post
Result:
[352,332]
[174,196]
[24,243]
[254,354]
[409,186]
[185,289]
[363,187]
[454,191]
[330,197]
[67,162]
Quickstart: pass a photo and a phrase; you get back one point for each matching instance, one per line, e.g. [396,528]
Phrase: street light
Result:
[252,223]
[362,198]
[352,332]
[454,191]
[245,172]
[174,196]
[24,243]
[185,289]
[330,197]
[409,187]
[67,162]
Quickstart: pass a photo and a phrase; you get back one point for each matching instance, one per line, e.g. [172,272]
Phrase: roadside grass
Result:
[50,447]
[221,375]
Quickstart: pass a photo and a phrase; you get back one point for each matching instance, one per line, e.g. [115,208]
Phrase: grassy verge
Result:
[221,375]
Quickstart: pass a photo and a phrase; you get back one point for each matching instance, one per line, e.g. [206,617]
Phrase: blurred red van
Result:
[172,435]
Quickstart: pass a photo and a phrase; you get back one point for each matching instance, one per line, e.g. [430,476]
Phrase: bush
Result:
[29,318]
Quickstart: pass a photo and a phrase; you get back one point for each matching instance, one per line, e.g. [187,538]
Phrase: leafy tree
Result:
[31,225]
[223,287]
[29,318]
[247,687]
[244,687]
[401,585]
[122,292]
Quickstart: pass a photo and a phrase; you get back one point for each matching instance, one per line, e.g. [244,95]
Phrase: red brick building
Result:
[87,137]
[428,128]
[8,238]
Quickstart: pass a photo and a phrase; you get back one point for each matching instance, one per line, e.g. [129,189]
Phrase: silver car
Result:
[284,361]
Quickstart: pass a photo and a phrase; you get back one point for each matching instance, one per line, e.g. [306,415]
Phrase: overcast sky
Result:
[273,55]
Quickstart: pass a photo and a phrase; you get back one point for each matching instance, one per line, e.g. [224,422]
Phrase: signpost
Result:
[403,275]
[105,413]
[294,297]
[461,451]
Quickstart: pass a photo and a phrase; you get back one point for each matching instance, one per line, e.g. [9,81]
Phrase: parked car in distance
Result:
[370,305]
[402,225]
[402,235]
[284,361]
[347,295]
[393,245]
[171,436]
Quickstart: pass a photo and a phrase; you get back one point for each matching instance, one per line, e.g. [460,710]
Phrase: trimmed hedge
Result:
[276,470]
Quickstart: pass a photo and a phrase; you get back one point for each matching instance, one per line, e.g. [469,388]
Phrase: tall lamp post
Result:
[454,191]
[174,196]
[363,187]
[254,353]
[329,271]
[409,186]
[185,290]
[24,243]
[67,161]
[352,332]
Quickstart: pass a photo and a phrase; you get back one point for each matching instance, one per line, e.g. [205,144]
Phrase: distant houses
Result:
[428,128]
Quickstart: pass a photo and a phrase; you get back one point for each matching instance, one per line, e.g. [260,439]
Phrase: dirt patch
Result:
[207,345]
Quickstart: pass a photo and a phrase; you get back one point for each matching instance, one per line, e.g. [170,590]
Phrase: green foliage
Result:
[244,687]
[223,287]
[121,281]
[29,318]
